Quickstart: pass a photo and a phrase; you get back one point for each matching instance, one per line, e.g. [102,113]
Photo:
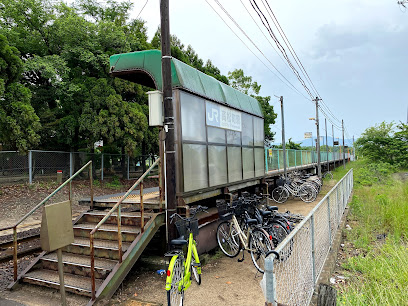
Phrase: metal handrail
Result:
[117,206]
[14,227]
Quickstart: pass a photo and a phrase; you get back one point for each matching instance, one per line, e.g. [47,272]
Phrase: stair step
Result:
[107,231]
[73,283]
[101,244]
[103,248]
[78,264]
[127,218]
[109,227]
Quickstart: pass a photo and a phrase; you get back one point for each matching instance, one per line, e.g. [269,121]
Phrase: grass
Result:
[114,183]
[379,221]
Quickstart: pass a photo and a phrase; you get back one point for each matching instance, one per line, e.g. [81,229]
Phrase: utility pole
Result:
[319,166]
[334,153]
[327,145]
[283,139]
[344,153]
[170,156]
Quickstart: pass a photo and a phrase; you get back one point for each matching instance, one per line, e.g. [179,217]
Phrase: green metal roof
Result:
[135,65]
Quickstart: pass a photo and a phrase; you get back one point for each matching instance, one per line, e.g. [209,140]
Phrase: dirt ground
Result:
[224,280]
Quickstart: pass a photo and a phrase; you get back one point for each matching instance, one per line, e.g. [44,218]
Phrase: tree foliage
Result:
[18,122]
[243,83]
[383,143]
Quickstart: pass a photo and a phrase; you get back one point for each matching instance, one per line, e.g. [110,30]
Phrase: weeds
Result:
[114,184]
[379,213]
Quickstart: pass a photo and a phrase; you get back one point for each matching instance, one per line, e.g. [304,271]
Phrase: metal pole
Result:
[312,233]
[344,156]
[319,166]
[327,145]
[102,167]
[30,167]
[168,116]
[334,153]
[270,281]
[128,167]
[61,277]
[71,164]
[283,139]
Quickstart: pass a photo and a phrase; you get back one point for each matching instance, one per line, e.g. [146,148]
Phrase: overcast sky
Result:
[355,52]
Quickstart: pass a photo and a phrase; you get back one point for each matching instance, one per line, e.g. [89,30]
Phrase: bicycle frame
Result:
[192,250]
[242,236]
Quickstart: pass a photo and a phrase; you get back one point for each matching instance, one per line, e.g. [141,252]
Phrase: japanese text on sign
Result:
[223,117]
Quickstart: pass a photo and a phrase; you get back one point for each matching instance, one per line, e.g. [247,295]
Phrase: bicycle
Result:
[178,273]
[231,238]
[328,174]
[305,191]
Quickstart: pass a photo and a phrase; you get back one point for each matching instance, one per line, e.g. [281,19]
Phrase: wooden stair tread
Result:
[109,227]
[135,214]
[73,282]
[99,243]
[81,260]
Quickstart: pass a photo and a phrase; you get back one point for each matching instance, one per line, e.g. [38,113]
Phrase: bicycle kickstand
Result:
[243,255]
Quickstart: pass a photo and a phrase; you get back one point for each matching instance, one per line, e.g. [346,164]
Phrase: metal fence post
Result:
[30,167]
[266,160]
[312,232]
[102,167]
[328,215]
[278,160]
[270,281]
[128,166]
[71,164]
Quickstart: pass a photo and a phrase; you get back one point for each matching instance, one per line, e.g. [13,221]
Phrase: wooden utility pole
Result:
[283,139]
[170,156]
[319,166]
[344,151]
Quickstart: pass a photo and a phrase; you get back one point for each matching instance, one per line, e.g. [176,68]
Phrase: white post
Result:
[270,281]
[30,167]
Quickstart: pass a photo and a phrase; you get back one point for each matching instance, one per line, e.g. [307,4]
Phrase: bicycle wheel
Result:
[227,238]
[259,245]
[195,266]
[278,232]
[328,175]
[280,195]
[174,282]
[307,193]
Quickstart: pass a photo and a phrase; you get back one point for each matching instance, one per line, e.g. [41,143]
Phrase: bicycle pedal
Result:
[197,265]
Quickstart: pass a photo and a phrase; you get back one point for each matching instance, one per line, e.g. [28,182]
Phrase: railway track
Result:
[28,243]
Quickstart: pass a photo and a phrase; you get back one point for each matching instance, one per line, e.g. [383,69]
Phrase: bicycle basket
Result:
[194,227]
[223,209]
[240,208]
[182,228]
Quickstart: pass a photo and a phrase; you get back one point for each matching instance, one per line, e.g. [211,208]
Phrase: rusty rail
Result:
[117,207]
[14,227]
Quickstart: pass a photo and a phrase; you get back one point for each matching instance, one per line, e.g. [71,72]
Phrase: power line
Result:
[266,24]
[142,9]
[233,20]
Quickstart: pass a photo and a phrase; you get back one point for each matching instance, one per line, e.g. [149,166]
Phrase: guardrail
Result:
[293,268]
[117,207]
[14,227]
[296,158]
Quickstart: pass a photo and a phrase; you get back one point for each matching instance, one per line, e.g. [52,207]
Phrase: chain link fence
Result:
[39,165]
[291,277]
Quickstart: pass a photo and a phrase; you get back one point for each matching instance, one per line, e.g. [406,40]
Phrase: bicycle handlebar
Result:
[194,212]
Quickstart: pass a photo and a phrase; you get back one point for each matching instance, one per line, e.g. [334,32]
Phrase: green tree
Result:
[382,143]
[18,122]
[238,80]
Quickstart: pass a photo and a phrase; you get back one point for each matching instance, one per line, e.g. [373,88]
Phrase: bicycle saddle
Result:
[271,208]
[179,241]
[265,213]
[251,221]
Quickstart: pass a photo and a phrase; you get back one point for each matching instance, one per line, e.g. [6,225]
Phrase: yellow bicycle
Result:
[182,268]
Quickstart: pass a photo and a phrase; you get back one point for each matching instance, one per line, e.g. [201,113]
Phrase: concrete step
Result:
[78,264]
[103,248]
[107,231]
[73,283]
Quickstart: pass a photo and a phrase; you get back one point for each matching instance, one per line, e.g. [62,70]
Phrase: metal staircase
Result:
[105,248]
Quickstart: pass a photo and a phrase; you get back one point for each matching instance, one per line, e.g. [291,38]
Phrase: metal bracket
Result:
[167,56]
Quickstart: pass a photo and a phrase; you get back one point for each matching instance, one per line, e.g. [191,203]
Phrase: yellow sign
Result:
[56,226]
[270,152]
